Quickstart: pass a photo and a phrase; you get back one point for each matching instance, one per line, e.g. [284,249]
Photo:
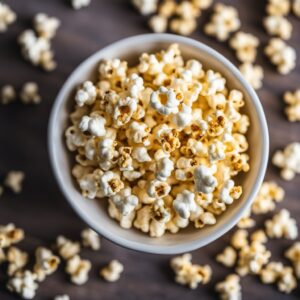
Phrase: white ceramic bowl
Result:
[96,215]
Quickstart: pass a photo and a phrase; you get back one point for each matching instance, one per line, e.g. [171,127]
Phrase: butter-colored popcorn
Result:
[188,273]
[30,93]
[292,99]
[125,202]
[124,110]
[90,239]
[202,4]
[227,257]
[24,284]
[281,55]
[269,194]
[183,26]
[62,297]
[111,183]
[278,26]
[224,21]
[230,288]
[278,7]
[16,259]
[229,192]
[245,45]
[7,16]
[86,94]
[293,254]
[254,74]
[283,275]
[288,160]
[67,248]
[78,4]
[14,181]
[282,225]
[158,23]
[246,221]
[296,8]
[10,234]
[45,26]
[46,263]
[8,94]
[205,181]
[78,269]
[145,7]
[185,204]
[112,271]
[239,239]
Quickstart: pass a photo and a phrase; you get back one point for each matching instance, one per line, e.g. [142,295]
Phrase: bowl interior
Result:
[96,215]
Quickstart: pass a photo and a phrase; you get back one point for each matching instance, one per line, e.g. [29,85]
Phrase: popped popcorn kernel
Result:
[8,94]
[46,26]
[296,8]
[91,239]
[278,7]
[239,239]
[293,254]
[227,257]
[78,269]
[254,74]
[62,297]
[158,23]
[78,4]
[66,248]
[30,93]
[7,16]
[278,26]
[17,259]
[112,271]
[230,288]
[292,99]
[145,7]
[10,234]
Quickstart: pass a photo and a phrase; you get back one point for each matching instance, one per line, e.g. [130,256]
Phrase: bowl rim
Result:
[185,246]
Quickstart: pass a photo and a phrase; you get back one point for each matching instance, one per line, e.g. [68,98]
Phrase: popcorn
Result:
[202,4]
[30,93]
[281,55]
[269,194]
[293,254]
[296,8]
[158,23]
[224,21]
[246,221]
[112,271]
[259,236]
[278,7]
[46,26]
[187,10]
[7,16]
[62,297]
[239,239]
[158,189]
[10,235]
[141,154]
[78,269]
[293,109]
[282,226]
[205,182]
[183,26]
[24,284]
[277,272]
[90,239]
[8,94]
[165,166]
[14,180]
[279,26]
[111,183]
[185,204]
[125,202]
[124,111]
[254,74]
[215,83]
[288,160]
[230,288]
[229,192]
[245,45]
[188,273]
[66,248]
[227,257]
[86,94]
[16,259]
[95,125]
[145,7]
[78,4]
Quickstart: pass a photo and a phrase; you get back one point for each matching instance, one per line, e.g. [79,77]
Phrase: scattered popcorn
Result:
[16,259]
[7,16]
[269,194]
[202,4]
[145,7]
[112,271]
[282,226]
[277,272]
[230,288]
[281,55]
[78,4]
[288,160]
[224,21]
[45,26]
[14,180]
[30,93]
[90,239]
[78,269]
[293,254]
[245,45]
[278,26]
[239,239]
[254,74]
[246,221]
[8,94]
[66,248]
[278,7]
[162,140]
[188,273]
[227,257]
[24,284]
[293,109]
[183,26]
[62,297]
[10,235]
[259,236]
[158,23]
[296,8]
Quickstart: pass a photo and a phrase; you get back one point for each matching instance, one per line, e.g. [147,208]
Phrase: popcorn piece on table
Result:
[254,74]
[14,180]
[230,288]
[67,248]
[16,259]
[278,26]
[78,4]
[239,239]
[259,236]
[112,271]
[278,7]
[62,297]
[8,94]
[202,4]
[281,55]
[30,93]
[293,109]
[45,26]
[183,26]
[293,254]
[158,23]
[296,8]
[282,225]
[7,16]
[246,221]
[78,269]
[224,21]
[23,284]
[90,239]
[288,160]
[227,257]
[283,275]
[188,273]
[245,45]
[10,235]
[145,7]
[269,194]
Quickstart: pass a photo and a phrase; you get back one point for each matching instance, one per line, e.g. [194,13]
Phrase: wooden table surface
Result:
[41,208]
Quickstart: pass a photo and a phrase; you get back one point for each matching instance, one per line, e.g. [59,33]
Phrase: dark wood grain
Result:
[42,210]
